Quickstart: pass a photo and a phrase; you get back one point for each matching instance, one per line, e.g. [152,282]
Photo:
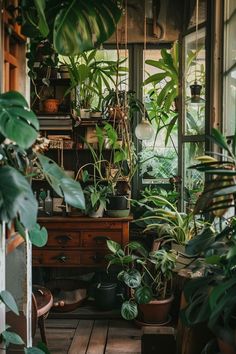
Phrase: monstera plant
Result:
[20,160]
[73,26]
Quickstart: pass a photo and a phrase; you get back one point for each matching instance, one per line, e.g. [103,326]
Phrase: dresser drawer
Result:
[63,238]
[93,258]
[98,239]
[56,258]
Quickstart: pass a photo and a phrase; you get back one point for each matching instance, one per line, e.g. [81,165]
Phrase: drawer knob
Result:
[63,239]
[97,257]
[62,258]
[100,239]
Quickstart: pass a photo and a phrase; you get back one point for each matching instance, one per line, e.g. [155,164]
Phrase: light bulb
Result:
[144,130]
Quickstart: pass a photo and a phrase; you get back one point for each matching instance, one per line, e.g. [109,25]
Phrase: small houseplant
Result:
[148,275]
[96,198]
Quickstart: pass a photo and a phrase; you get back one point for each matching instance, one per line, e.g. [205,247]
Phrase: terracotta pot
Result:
[51,105]
[156,311]
[225,348]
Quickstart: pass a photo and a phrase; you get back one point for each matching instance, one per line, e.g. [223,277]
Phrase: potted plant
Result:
[148,276]
[96,197]
[89,76]
[211,298]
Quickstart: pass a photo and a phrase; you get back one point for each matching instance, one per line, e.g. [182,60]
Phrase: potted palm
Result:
[148,275]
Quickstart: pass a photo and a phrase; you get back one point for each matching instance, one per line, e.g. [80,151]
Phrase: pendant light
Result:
[144,130]
[195,88]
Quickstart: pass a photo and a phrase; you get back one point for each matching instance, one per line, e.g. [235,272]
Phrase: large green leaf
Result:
[113,246]
[42,22]
[17,121]
[16,198]
[63,185]
[9,300]
[38,236]
[143,294]
[132,278]
[12,337]
[82,23]
[129,310]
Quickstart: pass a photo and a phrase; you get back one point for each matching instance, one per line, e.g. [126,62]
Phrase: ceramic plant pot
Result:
[98,213]
[156,311]
[105,296]
[51,105]
[85,113]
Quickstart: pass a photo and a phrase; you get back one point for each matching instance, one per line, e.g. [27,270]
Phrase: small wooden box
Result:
[158,340]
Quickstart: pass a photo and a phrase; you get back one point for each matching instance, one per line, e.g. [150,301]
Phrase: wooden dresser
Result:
[79,241]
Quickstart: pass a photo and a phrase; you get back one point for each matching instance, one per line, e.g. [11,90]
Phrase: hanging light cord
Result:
[197,3]
[144,49]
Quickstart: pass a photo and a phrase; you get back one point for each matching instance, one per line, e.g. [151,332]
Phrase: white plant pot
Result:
[98,213]
[85,113]
[96,114]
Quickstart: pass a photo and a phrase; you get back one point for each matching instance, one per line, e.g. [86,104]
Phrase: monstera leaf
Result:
[83,23]
[76,25]
[16,198]
[17,122]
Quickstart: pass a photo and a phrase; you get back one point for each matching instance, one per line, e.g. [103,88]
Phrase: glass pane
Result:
[230,68]
[194,108]
[158,158]
[193,179]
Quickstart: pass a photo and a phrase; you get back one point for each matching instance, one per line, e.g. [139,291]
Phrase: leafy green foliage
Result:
[11,337]
[129,310]
[218,194]
[147,274]
[16,198]
[81,24]
[72,26]
[17,122]
[64,186]
[9,301]
[38,236]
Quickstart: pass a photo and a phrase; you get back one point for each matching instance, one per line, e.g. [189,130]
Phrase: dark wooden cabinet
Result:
[79,241]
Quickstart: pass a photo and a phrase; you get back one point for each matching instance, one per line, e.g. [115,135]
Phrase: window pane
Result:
[158,158]
[230,68]
[193,180]
[194,75]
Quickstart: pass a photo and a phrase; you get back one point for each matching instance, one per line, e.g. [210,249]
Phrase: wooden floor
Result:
[86,336]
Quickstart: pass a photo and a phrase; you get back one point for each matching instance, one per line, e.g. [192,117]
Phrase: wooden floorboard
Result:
[123,338]
[91,336]
[97,343]
[81,337]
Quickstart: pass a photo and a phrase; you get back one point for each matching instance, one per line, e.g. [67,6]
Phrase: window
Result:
[229,102]
[158,156]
